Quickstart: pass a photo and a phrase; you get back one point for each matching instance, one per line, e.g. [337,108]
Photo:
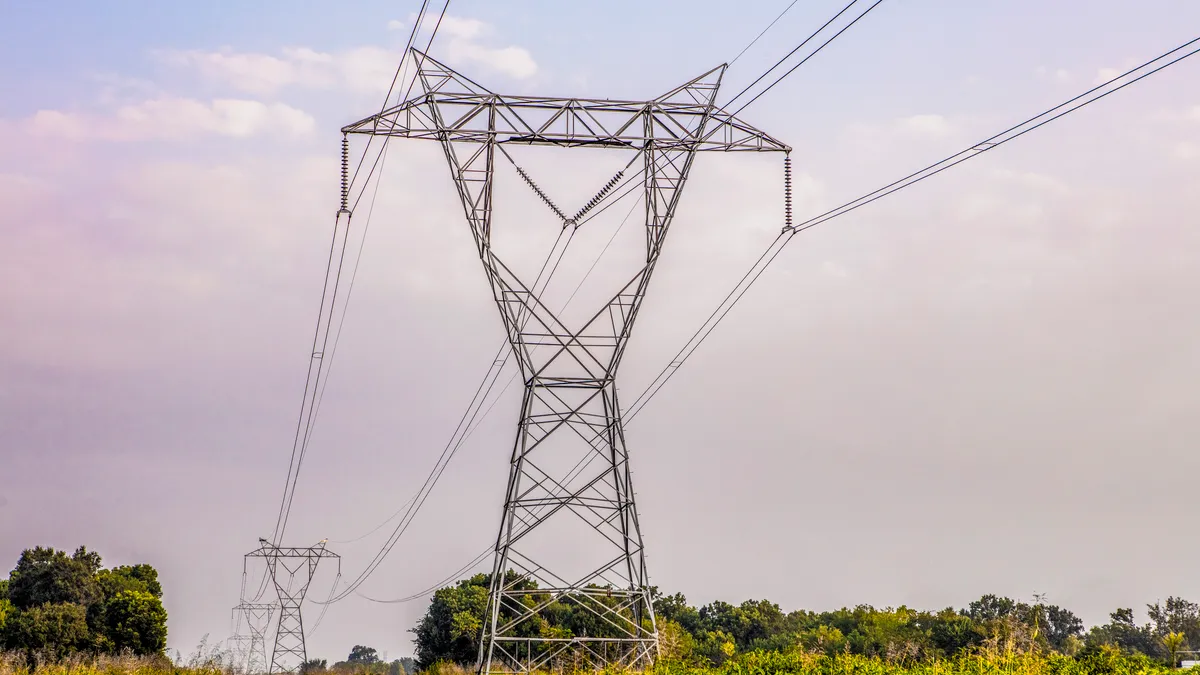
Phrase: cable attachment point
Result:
[345,174]
[599,196]
[787,192]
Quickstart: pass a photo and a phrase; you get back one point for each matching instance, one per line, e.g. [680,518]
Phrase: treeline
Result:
[54,605]
[362,660]
[718,632]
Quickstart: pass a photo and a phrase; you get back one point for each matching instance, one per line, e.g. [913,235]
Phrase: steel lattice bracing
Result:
[570,414]
[292,570]
[252,655]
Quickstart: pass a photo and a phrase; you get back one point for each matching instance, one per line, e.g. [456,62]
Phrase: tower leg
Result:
[595,580]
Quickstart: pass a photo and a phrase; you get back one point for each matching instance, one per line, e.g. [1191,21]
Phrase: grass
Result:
[1103,662]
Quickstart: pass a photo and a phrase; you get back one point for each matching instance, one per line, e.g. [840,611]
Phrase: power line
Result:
[471,429]
[464,425]
[312,379]
[440,466]
[805,59]
[798,47]
[764,31]
[776,246]
[990,143]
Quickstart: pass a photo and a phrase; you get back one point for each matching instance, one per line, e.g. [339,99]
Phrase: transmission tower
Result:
[252,649]
[239,652]
[569,409]
[292,570]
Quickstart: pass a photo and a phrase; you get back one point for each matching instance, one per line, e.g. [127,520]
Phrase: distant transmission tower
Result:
[239,651]
[291,569]
[252,648]
[569,532]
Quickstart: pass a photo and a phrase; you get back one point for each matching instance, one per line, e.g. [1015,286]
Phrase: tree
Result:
[675,608]
[1122,632]
[1174,643]
[362,655]
[951,632]
[6,607]
[135,621]
[990,608]
[48,591]
[1059,626]
[1176,615]
[53,629]
[451,628]
[314,666]
[44,575]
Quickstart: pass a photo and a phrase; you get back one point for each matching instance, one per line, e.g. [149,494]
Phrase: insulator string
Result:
[345,174]
[787,190]
[538,191]
[594,201]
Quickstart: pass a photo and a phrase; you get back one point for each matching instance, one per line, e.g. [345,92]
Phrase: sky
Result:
[983,384]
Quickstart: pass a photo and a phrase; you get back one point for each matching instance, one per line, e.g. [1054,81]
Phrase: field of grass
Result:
[1107,662]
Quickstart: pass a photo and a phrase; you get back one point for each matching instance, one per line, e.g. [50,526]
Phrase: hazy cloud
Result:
[171,118]
[1055,74]
[1186,150]
[1105,74]
[366,69]
[466,46]
[363,69]
[927,125]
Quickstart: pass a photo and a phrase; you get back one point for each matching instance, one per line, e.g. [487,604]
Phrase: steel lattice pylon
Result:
[569,373]
[291,569]
[253,647]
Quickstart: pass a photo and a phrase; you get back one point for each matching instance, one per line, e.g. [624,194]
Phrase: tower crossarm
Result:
[565,122]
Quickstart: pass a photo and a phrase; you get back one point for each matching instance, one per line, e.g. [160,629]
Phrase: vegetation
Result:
[362,660]
[992,634]
[66,614]
[54,606]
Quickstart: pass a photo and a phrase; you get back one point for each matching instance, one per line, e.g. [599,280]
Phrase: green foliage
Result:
[451,629]
[59,605]
[314,666]
[136,621]
[364,655]
[758,635]
[55,629]
[6,608]
[44,575]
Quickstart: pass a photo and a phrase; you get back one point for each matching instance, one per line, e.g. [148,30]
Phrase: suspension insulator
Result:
[787,192]
[538,191]
[595,201]
[345,173]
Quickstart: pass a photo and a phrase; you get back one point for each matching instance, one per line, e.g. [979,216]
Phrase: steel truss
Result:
[568,372]
[252,649]
[291,569]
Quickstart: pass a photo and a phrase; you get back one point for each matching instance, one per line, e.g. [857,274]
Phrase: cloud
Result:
[465,47]
[927,125]
[1057,75]
[1030,179]
[366,69]
[174,118]
[1105,74]
[514,62]
[1186,151]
